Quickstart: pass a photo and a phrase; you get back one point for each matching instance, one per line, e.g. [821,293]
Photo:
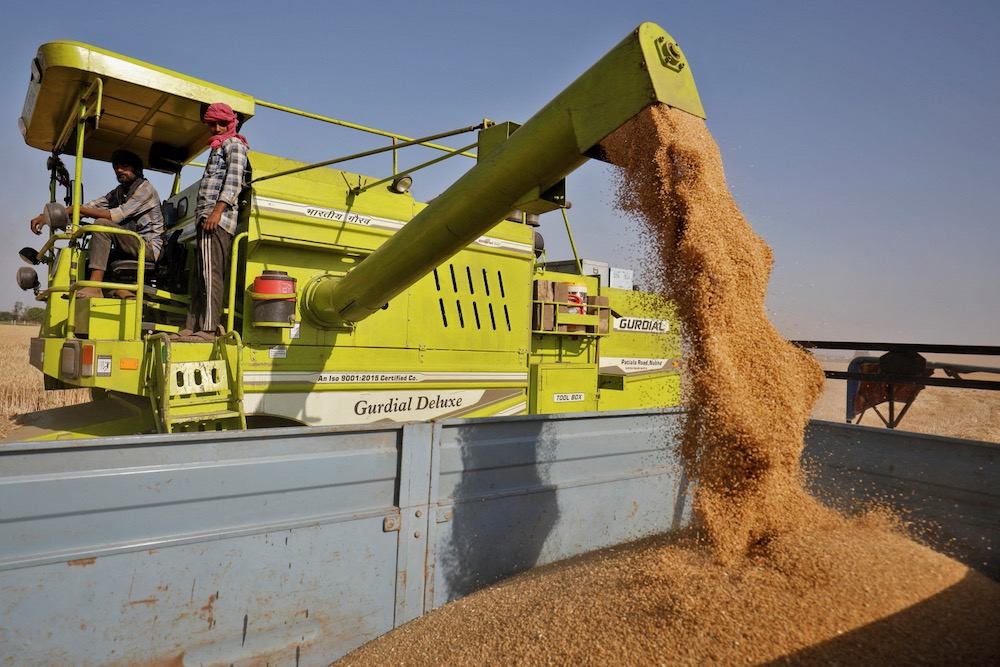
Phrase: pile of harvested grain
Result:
[812,599]
[767,573]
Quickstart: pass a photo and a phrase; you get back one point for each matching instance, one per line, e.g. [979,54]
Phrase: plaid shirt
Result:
[136,209]
[223,181]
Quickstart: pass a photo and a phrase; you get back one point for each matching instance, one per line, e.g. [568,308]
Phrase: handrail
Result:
[343,123]
[376,151]
[458,151]
[159,397]
[233,272]
[572,243]
[105,284]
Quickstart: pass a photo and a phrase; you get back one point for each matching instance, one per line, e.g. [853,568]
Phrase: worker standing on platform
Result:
[217,211]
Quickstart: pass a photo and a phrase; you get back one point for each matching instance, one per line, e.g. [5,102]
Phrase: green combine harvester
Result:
[348,302]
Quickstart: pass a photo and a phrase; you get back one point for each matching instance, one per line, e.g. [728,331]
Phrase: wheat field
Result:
[22,388]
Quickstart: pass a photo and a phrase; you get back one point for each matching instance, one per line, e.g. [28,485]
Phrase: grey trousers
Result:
[208,279]
[124,245]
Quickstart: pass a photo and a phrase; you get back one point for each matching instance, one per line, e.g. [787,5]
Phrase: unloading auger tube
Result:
[645,68]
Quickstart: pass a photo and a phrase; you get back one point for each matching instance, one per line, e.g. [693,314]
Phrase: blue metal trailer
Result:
[295,546]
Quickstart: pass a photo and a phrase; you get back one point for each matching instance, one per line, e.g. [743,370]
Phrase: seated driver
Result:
[133,205]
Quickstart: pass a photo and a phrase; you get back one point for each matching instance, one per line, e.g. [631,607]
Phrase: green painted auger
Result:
[646,68]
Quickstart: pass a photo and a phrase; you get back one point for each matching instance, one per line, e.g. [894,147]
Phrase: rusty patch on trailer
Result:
[208,611]
[81,562]
[171,661]
[143,601]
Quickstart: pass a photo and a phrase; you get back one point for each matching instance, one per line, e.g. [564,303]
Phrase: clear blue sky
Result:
[861,139]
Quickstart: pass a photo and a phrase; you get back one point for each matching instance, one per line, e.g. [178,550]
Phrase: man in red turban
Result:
[227,172]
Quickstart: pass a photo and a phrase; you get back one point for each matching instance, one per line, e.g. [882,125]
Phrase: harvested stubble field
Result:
[944,411]
[22,388]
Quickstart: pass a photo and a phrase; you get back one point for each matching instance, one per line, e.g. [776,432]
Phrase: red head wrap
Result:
[220,111]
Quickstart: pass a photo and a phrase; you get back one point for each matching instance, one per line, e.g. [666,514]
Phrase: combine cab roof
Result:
[149,110]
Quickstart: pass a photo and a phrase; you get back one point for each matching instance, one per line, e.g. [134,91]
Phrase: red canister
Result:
[273,297]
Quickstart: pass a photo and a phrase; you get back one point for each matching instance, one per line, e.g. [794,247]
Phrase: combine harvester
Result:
[451,410]
[348,301]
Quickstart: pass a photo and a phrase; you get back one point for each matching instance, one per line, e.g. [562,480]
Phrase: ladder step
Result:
[187,401]
[197,395]
[205,416]
[198,377]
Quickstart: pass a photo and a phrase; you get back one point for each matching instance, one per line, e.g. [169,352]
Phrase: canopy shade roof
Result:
[148,110]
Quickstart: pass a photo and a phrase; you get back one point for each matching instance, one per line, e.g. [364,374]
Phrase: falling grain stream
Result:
[765,574]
